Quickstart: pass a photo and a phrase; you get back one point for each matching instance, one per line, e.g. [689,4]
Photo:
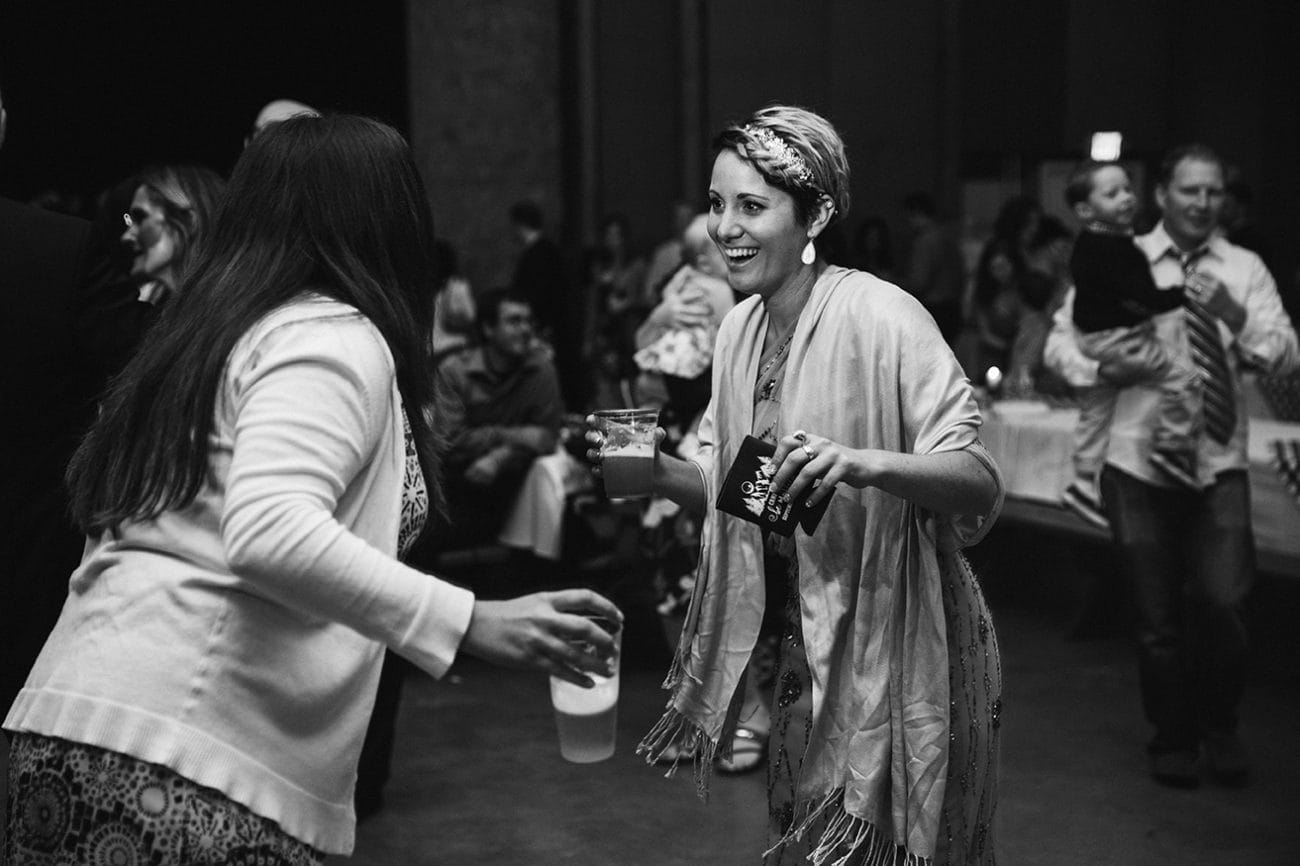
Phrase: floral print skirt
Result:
[75,804]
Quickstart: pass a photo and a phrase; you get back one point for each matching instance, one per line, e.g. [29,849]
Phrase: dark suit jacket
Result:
[46,401]
[539,277]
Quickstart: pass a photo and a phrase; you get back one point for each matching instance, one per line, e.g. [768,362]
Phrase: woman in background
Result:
[996,303]
[454,310]
[171,209]
[617,304]
[246,489]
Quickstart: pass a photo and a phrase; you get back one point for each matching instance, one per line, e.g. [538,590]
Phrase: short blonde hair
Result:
[795,150]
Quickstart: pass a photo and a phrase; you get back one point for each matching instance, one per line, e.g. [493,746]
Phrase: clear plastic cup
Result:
[628,453]
[587,719]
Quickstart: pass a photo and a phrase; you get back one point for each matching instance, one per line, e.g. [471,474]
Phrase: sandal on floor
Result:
[748,753]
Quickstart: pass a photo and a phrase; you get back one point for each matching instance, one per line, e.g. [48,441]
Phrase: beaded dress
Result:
[975,684]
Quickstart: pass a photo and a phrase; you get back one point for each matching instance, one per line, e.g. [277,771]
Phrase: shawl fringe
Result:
[847,836]
[673,728]
[676,671]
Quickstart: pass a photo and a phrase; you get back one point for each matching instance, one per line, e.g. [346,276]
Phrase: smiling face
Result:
[756,227]
[152,240]
[1191,201]
[1111,200]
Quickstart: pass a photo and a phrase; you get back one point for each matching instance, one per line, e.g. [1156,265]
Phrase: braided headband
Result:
[786,157]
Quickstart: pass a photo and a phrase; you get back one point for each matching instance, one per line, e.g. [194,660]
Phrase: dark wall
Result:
[96,90]
[1014,76]
[923,91]
[1119,74]
[886,95]
[485,82]
[639,115]
[927,93]
[872,68]
[1172,71]
[1277,185]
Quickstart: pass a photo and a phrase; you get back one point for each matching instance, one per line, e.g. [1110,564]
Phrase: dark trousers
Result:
[39,550]
[476,512]
[1190,557]
[376,760]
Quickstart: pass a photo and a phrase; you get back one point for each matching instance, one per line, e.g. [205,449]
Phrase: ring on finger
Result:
[810,451]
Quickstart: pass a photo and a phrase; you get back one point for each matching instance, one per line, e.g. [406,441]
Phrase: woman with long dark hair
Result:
[246,490]
[171,207]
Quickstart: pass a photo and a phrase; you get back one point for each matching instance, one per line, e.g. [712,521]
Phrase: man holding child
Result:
[1179,540]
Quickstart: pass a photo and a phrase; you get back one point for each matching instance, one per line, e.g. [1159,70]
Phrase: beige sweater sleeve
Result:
[311,401]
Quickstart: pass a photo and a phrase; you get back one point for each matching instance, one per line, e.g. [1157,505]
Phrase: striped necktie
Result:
[1211,360]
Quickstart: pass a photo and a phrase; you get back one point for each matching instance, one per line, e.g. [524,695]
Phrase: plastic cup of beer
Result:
[628,452]
[588,718]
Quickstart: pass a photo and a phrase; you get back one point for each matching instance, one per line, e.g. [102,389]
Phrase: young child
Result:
[1114,301]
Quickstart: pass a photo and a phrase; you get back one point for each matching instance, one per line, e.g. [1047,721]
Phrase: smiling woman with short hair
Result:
[888,689]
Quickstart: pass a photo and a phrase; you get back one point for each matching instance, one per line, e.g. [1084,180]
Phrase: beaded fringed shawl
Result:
[867,368]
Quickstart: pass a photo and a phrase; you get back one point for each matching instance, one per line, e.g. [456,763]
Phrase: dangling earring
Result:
[809,253]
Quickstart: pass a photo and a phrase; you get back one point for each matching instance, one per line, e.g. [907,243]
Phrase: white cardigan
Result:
[238,641]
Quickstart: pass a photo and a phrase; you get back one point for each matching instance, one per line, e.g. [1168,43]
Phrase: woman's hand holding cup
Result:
[568,634]
[639,428]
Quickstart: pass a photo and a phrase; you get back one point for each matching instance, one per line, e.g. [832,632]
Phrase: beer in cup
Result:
[628,451]
[587,718]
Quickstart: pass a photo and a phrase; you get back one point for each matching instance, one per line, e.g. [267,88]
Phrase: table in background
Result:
[1033,445]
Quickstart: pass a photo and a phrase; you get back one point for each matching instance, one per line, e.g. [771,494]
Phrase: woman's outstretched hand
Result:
[550,631]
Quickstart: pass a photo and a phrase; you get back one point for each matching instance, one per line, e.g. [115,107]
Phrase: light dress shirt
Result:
[1266,344]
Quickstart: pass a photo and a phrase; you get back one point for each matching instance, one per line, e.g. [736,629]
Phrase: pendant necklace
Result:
[765,392]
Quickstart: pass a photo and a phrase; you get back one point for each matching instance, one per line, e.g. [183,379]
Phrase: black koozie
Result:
[746,493]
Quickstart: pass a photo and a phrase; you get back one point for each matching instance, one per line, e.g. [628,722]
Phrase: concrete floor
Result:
[478,778]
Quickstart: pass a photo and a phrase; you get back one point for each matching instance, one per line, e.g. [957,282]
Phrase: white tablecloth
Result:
[1033,444]
[536,519]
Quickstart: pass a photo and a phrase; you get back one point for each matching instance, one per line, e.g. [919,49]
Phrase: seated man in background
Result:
[503,409]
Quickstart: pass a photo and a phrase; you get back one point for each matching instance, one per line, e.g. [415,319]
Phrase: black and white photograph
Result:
[649,433]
